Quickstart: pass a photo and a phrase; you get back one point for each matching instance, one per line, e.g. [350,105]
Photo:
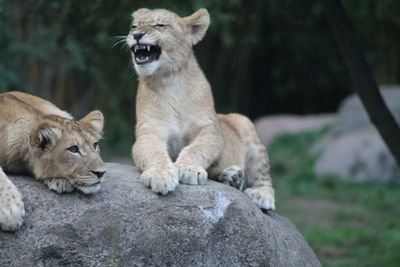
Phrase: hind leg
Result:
[229,168]
[247,148]
[244,151]
[260,188]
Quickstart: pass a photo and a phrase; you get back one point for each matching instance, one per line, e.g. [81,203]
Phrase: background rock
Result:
[128,225]
[353,149]
[269,127]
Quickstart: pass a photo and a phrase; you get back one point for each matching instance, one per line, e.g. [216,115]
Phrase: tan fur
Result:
[36,137]
[179,136]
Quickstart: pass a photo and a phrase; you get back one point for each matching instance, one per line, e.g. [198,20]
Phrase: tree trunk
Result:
[362,77]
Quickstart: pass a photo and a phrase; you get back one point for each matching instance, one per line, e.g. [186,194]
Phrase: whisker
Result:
[125,47]
[117,37]
[116,40]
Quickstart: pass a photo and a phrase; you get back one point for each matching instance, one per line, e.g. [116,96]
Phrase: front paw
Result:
[12,209]
[160,180]
[59,185]
[193,175]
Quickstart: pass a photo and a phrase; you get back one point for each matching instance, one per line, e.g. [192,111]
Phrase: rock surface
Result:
[125,224]
[269,127]
[353,149]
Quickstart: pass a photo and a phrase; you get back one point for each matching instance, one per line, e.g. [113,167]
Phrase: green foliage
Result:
[347,224]
[283,159]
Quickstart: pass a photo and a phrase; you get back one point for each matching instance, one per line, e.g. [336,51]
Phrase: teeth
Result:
[140,46]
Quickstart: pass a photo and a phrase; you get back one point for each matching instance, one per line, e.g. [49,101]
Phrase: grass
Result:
[346,223]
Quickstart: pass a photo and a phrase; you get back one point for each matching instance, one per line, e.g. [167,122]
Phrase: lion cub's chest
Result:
[178,137]
[180,112]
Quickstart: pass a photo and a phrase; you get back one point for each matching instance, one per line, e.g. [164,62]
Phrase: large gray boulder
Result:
[126,224]
[353,148]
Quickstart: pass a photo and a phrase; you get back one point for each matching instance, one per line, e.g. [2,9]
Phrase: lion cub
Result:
[179,136]
[36,137]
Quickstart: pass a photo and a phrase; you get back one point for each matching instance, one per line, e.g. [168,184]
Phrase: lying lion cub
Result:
[36,137]
[179,136]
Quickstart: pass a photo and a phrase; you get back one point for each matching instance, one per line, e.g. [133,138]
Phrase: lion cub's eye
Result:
[95,145]
[73,149]
[160,25]
[133,26]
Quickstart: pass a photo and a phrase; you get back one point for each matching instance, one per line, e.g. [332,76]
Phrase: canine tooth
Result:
[135,48]
[148,48]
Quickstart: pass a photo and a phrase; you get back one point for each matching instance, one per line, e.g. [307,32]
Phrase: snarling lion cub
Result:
[36,137]
[179,136]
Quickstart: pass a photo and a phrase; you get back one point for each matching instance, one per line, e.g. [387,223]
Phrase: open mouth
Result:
[146,53]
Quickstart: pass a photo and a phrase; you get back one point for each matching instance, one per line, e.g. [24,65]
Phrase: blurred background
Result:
[333,175]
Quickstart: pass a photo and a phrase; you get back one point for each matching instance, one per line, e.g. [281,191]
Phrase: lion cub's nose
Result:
[137,35]
[99,174]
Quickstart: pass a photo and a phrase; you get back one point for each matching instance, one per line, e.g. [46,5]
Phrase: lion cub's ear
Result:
[95,121]
[197,25]
[45,135]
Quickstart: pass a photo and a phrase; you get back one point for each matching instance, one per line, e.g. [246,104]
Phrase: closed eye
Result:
[74,149]
[160,25]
